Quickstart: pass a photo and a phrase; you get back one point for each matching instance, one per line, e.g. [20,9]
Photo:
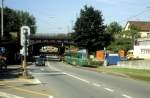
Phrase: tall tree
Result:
[90,30]
[14,19]
[114,28]
[26,19]
[11,22]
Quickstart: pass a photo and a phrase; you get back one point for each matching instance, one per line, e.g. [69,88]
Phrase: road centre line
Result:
[77,77]
[108,89]
[124,95]
[86,81]
[96,84]
[68,74]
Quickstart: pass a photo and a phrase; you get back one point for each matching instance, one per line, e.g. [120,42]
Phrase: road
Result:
[65,81]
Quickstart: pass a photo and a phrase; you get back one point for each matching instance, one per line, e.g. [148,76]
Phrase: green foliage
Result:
[132,34]
[123,39]
[120,43]
[95,63]
[14,19]
[90,30]
[140,74]
[114,28]
[26,19]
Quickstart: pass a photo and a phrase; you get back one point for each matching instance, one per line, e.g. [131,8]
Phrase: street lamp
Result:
[2,20]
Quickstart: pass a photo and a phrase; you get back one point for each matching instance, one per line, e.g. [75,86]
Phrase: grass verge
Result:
[140,74]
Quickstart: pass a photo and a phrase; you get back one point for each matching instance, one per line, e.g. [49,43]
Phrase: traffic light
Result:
[25,33]
[24,39]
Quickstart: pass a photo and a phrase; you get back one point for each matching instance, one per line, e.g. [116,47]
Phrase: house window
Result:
[145,51]
[136,43]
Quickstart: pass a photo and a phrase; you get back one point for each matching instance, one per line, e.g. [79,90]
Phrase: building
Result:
[142,44]
[142,26]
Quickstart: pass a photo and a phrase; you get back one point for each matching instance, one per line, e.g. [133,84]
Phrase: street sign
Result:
[24,30]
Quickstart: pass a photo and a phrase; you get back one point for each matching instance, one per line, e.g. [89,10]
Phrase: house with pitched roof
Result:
[142,44]
[142,26]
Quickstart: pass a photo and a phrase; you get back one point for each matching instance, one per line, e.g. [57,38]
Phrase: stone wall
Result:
[138,64]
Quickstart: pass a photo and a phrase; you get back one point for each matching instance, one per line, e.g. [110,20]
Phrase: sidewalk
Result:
[11,73]
[11,86]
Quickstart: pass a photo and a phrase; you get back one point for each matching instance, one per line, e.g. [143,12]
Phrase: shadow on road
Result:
[10,72]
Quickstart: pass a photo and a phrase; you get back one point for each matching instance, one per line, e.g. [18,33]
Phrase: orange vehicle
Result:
[100,55]
[121,53]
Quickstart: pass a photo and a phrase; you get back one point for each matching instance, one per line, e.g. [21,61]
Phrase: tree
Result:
[90,30]
[14,19]
[120,43]
[11,22]
[114,28]
[132,33]
[125,40]
[26,19]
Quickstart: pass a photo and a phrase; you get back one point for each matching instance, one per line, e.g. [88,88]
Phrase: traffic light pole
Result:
[25,73]
[24,41]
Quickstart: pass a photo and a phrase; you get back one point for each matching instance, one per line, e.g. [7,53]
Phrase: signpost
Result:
[24,39]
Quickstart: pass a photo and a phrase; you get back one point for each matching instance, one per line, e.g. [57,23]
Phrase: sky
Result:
[59,16]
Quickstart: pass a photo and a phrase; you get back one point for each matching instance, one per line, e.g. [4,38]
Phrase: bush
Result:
[93,63]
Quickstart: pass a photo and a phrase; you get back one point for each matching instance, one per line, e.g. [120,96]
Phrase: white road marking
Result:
[108,89]
[81,79]
[2,84]
[35,81]
[67,73]
[6,95]
[42,69]
[53,68]
[124,95]
[77,78]
[50,96]
[96,84]
[55,73]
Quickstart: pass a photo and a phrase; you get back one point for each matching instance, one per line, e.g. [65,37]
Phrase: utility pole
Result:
[2,20]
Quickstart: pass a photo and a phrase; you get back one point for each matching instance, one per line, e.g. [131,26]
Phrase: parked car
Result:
[40,61]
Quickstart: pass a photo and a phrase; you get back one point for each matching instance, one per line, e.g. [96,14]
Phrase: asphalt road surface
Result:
[65,81]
